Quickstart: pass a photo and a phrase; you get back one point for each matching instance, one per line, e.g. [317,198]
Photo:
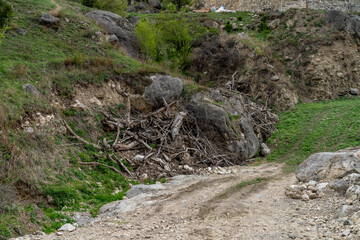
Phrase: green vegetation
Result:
[263,27]
[9,221]
[315,127]
[6,15]
[250,182]
[116,6]
[148,35]
[190,89]
[54,61]
[169,40]
[179,4]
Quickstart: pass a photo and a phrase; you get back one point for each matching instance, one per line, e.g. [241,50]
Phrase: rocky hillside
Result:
[92,102]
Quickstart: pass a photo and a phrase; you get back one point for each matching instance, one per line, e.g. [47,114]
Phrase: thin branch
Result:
[100,164]
[79,138]
[117,136]
[119,162]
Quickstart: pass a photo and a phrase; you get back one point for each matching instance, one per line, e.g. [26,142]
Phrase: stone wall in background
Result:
[282,5]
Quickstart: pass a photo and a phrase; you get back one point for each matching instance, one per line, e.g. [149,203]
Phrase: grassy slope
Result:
[315,127]
[37,58]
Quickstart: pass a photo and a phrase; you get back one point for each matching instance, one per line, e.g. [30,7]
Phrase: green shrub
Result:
[168,40]
[176,34]
[6,14]
[263,27]
[116,6]
[148,36]
[88,3]
[171,7]
[78,59]
[177,3]
[228,27]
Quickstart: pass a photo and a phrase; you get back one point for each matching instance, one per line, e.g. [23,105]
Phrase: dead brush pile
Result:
[167,141]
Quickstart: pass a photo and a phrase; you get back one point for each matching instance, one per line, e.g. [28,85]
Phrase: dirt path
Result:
[206,207]
[57,10]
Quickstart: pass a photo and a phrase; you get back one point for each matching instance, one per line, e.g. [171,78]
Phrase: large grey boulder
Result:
[163,87]
[49,20]
[328,165]
[225,120]
[121,27]
[342,21]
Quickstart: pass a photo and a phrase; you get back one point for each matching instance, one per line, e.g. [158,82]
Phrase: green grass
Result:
[315,127]
[37,57]
[250,182]
[246,17]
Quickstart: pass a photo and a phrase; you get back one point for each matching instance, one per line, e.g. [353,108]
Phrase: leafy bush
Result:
[176,35]
[168,40]
[228,27]
[88,3]
[263,27]
[148,35]
[6,14]
[115,6]
[171,7]
[178,3]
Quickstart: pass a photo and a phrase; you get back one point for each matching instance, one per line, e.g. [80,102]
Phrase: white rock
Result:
[78,106]
[67,228]
[138,158]
[353,192]
[275,78]
[305,197]
[312,183]
[354,91]
[29,130]
[187,167]
[345,233]
[95,101]
[265,150]
[322,186]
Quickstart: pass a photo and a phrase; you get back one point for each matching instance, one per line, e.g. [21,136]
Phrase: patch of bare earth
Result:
[212,207]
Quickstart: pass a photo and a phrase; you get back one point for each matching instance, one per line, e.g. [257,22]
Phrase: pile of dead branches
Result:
[165,142]
[168,141]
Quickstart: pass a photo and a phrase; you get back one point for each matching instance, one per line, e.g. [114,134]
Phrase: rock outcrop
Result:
[328,165]
[49,20]
[342,21]
[225,118]
[31,89]
[163,87]
[121,27]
